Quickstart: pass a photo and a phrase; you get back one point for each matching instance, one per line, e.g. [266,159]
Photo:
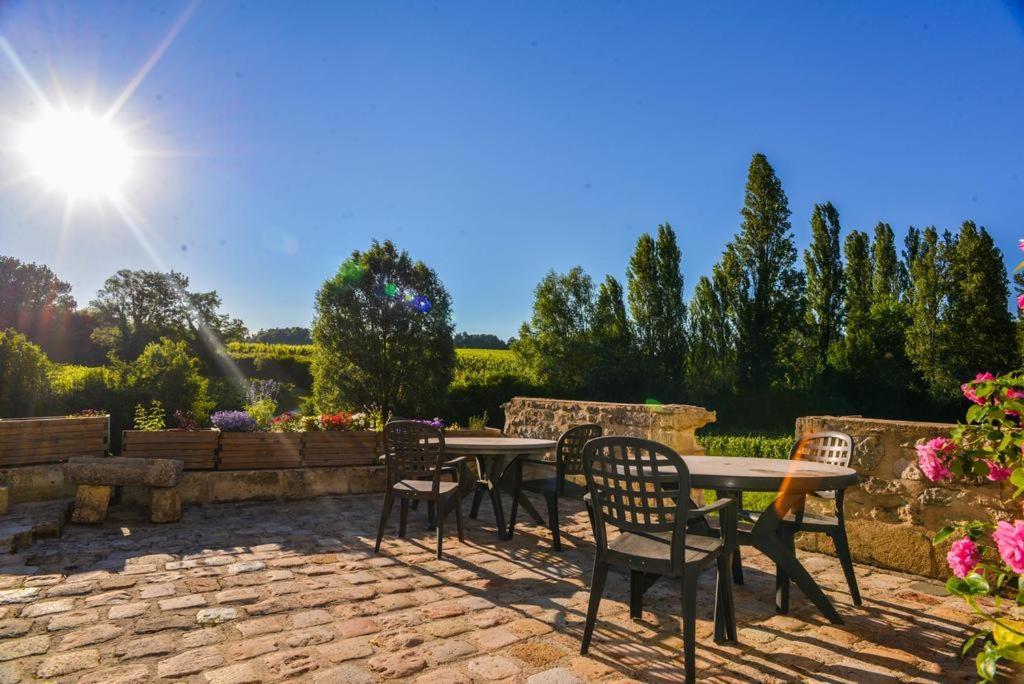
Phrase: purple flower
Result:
[963,557]
[436,423]
[233,421]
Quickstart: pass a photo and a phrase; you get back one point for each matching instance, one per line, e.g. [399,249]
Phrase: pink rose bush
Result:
[963,557]
[986,557]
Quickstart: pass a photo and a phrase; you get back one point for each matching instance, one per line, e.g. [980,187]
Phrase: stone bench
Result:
[96,478]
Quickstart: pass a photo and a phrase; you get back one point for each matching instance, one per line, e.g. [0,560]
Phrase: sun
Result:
[77,153]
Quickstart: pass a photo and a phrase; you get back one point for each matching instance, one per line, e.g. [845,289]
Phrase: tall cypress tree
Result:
[764,285]
[978,297]
[856,348]
[711,367]
[823,264]
[670,326]
[885,280]
[614,374]
[927,339]
[644,302]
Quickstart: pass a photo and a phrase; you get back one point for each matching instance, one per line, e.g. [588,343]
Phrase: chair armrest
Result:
[537,461]
[455,461]
[719,505]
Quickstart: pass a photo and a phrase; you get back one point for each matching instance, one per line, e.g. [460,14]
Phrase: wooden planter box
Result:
[473,432]
[252,450]
[196,449]
[341,448]
[28,441]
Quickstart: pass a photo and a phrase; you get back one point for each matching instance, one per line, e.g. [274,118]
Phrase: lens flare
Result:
[77,153]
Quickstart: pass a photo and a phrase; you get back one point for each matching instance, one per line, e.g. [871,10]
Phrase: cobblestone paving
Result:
[276,591]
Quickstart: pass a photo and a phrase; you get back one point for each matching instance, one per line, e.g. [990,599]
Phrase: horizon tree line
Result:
[859,328]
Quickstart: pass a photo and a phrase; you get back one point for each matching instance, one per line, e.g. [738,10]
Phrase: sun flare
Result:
[77,153]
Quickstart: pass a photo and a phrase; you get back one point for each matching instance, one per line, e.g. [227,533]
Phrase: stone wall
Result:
[671,424]
[893,514]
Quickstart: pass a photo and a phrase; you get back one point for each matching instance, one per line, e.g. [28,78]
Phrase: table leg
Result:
[766,538]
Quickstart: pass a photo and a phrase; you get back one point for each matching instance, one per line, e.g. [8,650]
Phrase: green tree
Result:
[823,264]
[885,278]
[135,308]
[763,287]
[644,302]
[555,344]
[853,354]
[711,365]
[983,332]
[24,377]
[614,372]
[293,335]
[927,340]
[383,335]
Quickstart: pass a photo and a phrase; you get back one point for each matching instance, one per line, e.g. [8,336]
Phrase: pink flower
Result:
[963,557]
[998,472]
[932,457]
[1013,392]
[1020,301]
[968,387]
[1020,245]
[1010,541]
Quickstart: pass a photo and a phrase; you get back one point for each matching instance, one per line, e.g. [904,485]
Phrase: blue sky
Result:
[498,140]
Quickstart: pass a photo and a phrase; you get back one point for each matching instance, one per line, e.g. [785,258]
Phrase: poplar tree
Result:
[982,336]
[711,365]
[927,340]
[856,348]
[614,374]
[642,284]
[885,280]
[823,263]
[763,283]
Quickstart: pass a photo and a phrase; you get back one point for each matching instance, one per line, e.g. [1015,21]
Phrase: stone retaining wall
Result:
[895,511]
[671,424]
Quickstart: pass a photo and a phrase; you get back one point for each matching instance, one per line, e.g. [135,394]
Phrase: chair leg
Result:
[403,517]
[478,496]
[431,515]
[457,503]
[782,582]
[517,491]
[846,560]
[636,594]
[556,535]
[725,608]
[690,624]
[596,590]
[389,501]
[737,566]
[442,513]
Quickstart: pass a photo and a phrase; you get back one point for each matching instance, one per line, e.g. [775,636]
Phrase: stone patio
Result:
[274,591]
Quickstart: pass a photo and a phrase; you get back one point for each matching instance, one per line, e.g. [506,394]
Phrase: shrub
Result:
[750,446]
[25,388]
[150,419]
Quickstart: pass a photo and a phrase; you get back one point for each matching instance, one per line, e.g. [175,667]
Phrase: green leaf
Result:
[1014,653]
[987,663]
[969,641]
[1017,477]
[943,534]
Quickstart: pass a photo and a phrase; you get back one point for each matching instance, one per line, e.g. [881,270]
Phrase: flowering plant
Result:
[335,421]
[287,422]
[233,421]
[436,423]
[987,557]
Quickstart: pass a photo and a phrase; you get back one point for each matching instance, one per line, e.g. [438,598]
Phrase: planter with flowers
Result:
[245,446]
[196,448]
[340,439]
[477,428]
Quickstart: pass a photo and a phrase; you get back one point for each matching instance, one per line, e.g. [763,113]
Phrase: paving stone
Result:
[26,646]
[556,675]
[239,595]
[128,610]
[89,636]
[190,662]
[215,616]
[66,663]
[536,653]
[447,650]
[357,627]
[156,591]
[239,673]
[73,589]
[23,595]
[181,602]
[344,673]
[108,598]
[246,566]
[347,649]
[160,623]
[14,628]
[289,664]
[132,674]
[250,628]
[47,608]
[157,644]
[397,665]
[11,672]
[73,619]
[202,637]
[492,668]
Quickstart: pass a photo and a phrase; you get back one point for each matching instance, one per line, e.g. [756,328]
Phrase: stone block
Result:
[245,485]
[91,503]
[139,472]
[5,498]
[164,505]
